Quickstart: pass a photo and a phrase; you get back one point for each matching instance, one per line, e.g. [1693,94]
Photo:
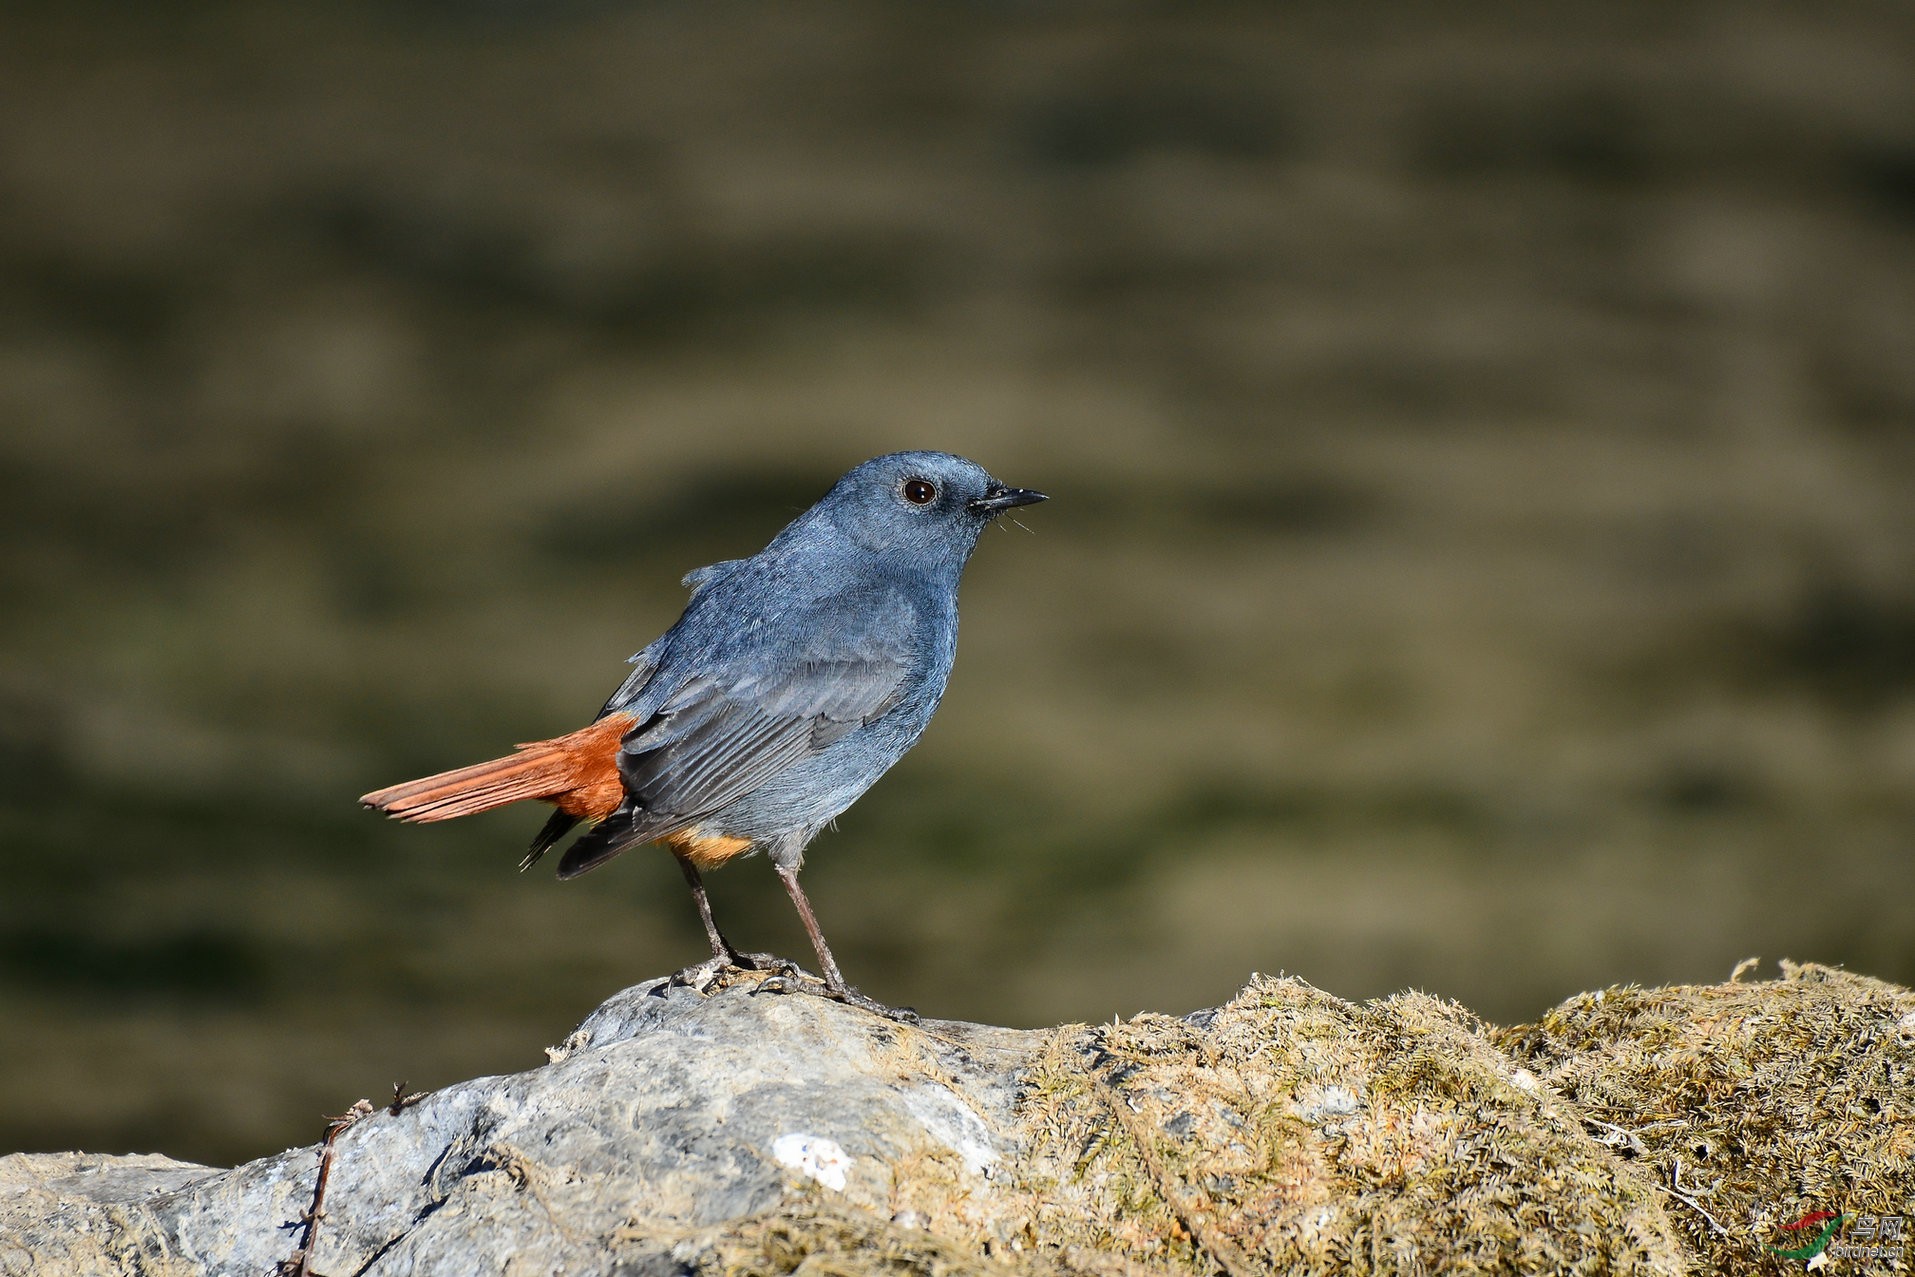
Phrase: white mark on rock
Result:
[814,1156]
[954,1124]
[1319,1105]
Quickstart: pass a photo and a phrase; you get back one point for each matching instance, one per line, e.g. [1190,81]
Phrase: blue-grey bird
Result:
[794,679]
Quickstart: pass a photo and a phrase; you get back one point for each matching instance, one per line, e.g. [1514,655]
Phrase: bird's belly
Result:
[706,849]
[784,813]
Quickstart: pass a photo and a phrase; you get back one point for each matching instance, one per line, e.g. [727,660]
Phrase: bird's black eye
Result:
[920,491]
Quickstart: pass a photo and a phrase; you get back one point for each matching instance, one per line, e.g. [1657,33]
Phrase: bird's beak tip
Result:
[998,500]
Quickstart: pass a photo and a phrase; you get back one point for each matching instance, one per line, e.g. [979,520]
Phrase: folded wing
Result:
[717,739]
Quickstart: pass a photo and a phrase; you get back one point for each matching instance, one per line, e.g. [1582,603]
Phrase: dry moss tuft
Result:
[1750,1103]
[820,1239]
[1291,1131]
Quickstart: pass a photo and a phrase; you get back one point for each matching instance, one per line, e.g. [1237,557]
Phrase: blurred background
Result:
[1482,440]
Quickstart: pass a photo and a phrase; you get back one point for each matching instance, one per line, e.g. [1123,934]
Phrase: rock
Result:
[1748,1104]
[754,1130]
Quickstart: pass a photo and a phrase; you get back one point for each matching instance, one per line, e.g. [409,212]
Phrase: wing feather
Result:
[716,738]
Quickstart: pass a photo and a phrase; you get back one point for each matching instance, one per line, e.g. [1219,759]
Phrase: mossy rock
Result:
[1289,1131]
[1631,1131]
[1751,1103]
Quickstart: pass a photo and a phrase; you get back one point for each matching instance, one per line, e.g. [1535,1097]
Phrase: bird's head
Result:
[929,504]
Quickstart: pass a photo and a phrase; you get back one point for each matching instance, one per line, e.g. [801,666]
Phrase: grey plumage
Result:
[793,680]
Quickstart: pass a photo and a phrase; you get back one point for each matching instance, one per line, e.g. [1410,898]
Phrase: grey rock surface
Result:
[665,1117]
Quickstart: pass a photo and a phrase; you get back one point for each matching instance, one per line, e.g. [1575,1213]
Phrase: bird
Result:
[793,680]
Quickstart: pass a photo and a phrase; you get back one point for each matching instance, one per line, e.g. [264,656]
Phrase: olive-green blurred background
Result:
[1482,440]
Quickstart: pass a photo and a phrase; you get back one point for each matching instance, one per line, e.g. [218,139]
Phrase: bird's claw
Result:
[715,972]
[769,962]
[781,975]
[699,978]
[851,997]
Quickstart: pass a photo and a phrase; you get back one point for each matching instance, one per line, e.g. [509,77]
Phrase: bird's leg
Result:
[721,950]
[723,956]
[835,986]
[834,980]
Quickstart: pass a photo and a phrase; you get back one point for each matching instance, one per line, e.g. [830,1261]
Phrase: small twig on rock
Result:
[1675,1179]
[299,1263]
[1619,1137]
[403,1099]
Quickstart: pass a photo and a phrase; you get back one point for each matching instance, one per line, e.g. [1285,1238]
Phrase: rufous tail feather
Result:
[578,773]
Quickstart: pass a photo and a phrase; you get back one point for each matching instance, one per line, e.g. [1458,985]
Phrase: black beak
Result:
[1000,499]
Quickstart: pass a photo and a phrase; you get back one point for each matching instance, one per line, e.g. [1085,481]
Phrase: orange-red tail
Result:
[577,773]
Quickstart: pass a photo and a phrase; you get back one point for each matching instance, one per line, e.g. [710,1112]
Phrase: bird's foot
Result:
[851,997]
[796,980]
[768,962]
[716,971]
[781,975]
[700,978]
